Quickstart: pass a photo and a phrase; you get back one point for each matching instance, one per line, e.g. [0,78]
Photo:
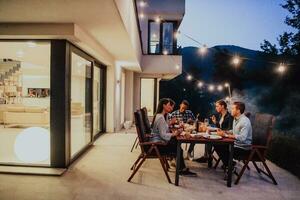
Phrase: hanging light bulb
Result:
[236,60]
[200,84]
[227,98]
[281,68]
[203,50]
[211,88]
[189,77]
[226,84]
[220,88]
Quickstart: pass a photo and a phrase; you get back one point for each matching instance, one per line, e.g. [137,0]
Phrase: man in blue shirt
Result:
[241,132]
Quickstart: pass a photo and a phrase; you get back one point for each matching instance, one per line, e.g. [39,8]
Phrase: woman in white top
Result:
[161,132]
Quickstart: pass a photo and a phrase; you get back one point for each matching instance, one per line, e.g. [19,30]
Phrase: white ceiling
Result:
[99,18]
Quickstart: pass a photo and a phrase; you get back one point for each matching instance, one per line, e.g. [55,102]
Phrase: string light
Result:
[236,60]
[211,88]
[220,87]
[281,68]
[200,84]
[203,50]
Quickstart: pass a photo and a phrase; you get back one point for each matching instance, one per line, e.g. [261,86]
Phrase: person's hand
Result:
[220,132]
[190,121]
[176,132]
[213,119]
[187,135]
[173,121]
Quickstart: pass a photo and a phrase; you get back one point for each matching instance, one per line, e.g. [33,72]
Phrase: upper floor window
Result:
[161,38]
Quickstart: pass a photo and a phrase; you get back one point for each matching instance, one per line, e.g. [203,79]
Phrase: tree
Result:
[289,43]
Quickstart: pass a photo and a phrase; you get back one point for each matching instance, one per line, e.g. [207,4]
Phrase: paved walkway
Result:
[103,171]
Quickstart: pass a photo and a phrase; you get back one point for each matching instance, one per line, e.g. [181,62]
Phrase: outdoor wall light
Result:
[142,3]
[33,145]
[158,19]
[142,15]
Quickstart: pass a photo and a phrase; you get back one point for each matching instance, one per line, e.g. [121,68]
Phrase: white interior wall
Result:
[110,98]
[129,88]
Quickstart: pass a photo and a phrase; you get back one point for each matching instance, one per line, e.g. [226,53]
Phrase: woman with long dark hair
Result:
[161,132]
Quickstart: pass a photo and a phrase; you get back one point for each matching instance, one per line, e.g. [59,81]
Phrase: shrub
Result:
[285,152]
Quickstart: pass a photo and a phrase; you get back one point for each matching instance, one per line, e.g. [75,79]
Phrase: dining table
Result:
[205,140]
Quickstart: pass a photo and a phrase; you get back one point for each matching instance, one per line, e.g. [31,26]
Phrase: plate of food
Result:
[214,133]
[210,128]
[215,137]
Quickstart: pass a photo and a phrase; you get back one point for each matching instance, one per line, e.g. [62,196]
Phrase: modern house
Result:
[71,70]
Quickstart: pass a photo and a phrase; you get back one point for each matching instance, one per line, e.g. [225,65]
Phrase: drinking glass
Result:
[206,122]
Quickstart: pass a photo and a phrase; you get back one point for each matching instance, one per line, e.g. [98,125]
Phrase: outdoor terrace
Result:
[103,171]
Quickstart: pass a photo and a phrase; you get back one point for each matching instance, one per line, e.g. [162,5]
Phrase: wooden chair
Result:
[261,137]
[149,150]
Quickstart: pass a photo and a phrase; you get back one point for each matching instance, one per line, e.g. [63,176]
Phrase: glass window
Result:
[80,103]
[25,102]
[154,38]
[148,94]
[168,37]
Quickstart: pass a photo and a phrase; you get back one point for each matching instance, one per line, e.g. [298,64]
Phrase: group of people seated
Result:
[235,125]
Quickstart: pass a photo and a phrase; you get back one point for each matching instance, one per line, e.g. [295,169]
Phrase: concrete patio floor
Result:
[103,171]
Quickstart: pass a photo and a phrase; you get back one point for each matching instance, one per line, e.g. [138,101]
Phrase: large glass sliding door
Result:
[81,108]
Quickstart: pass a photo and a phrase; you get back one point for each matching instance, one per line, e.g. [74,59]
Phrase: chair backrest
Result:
[262,129]
[146,120]
[140,128]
